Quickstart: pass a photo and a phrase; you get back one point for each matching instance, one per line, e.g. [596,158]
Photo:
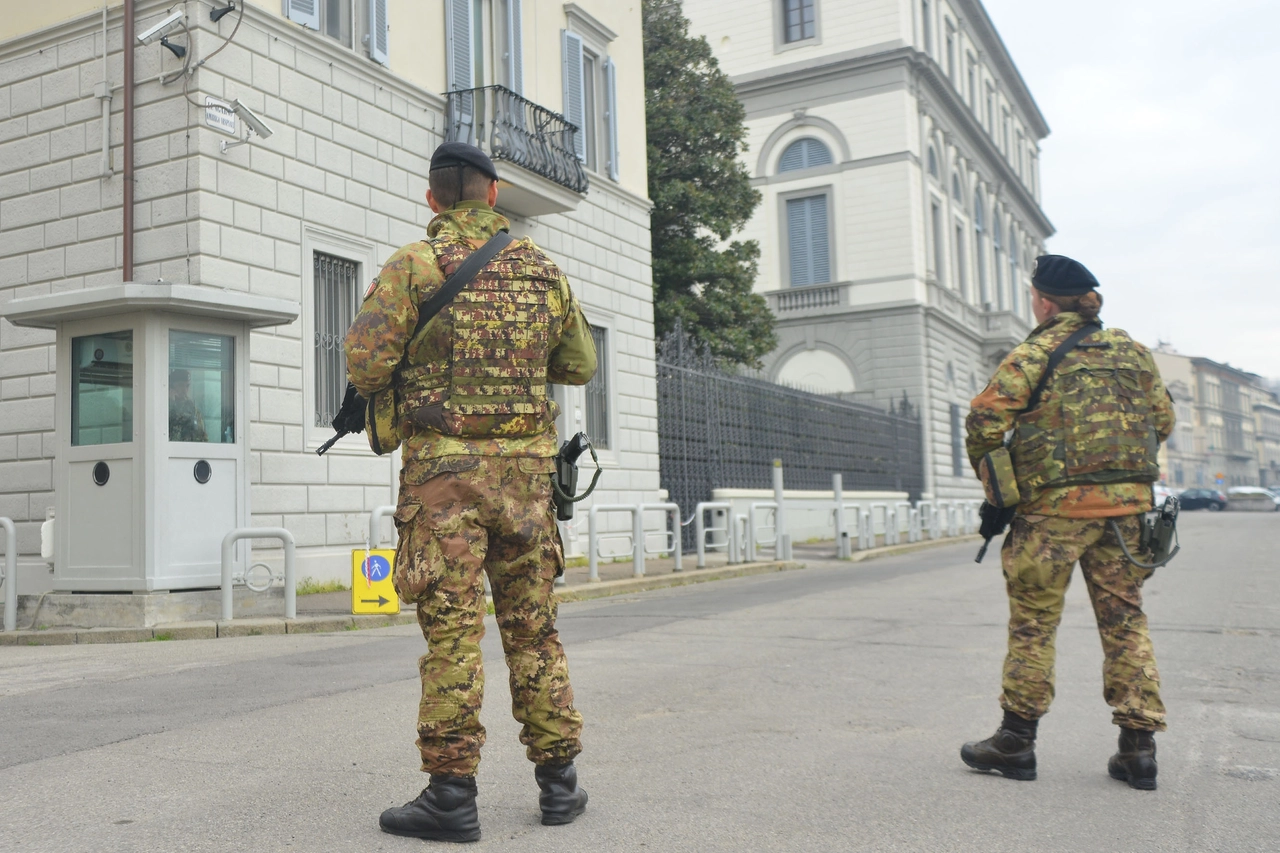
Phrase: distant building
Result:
[897,150]
[1224,409]
[1266,425]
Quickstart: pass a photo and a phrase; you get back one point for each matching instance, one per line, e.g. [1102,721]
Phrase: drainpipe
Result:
[126,39]
[103,93]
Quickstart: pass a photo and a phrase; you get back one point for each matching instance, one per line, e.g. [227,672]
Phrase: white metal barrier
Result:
[700,531]
[593,538]
[10,574]
[754,541]
[673,545]
[290,571]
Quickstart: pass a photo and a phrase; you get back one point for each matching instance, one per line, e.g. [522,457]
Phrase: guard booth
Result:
[152,407]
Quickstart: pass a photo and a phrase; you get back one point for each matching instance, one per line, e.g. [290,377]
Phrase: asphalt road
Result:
[812,710]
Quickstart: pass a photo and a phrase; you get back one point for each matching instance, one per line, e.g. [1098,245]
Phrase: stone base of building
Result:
[142,610]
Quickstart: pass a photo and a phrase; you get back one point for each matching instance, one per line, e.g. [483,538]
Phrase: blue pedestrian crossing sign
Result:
[372,590]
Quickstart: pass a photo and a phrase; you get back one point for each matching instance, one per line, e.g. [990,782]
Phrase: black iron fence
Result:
[510,127]
[718,429]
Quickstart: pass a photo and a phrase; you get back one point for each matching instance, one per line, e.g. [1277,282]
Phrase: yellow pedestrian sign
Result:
[371,588]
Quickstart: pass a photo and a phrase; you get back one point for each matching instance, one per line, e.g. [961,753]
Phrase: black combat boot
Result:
[1011,751]
[444,811]
[1135,762]
[561,798]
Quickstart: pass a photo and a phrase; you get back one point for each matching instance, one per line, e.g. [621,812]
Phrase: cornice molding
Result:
[586,24]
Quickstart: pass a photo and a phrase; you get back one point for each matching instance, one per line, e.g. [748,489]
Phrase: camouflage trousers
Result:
[1039,555]
[493,516]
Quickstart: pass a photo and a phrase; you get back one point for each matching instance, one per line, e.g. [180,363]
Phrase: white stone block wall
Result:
[344,172]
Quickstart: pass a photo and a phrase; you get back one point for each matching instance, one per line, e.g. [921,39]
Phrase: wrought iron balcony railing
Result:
[509,127]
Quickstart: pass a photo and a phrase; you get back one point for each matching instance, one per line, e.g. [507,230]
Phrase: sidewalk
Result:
[331,611]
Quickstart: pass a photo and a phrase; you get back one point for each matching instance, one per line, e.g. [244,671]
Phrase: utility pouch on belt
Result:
[998,479]
[381,426]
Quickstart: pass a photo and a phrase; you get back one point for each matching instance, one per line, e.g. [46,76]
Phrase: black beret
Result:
[462,154]
[1059,275]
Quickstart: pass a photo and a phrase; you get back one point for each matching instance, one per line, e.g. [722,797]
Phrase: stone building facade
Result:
[356,96]
[896,147]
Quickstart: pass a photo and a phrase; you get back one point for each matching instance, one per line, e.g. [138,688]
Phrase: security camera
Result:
[255,124]
[161,29]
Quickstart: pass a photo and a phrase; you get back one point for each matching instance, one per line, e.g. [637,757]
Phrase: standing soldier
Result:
[1083,446]
[475,486]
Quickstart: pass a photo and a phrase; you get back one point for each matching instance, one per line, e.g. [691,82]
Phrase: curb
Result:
[603,589]
[330,623]
[895,550]
[204,630]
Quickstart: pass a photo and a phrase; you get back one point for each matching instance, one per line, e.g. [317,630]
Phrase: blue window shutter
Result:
[515,46]
[805,153]
[305,12]
[575,107]
[611,114]
[809,239]
[460,71]
[378,31]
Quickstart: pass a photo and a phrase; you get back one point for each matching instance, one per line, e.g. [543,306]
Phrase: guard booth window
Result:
[335,281]
[102,389]
[597,393]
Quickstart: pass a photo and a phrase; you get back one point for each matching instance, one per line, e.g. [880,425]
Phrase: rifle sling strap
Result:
[461,277]
[1056,358]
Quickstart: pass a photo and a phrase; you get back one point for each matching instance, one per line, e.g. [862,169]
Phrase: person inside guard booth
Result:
[1087,411]
[479,440]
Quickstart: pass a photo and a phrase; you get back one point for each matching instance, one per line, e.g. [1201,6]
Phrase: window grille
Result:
[809,240]
[597,392]
[799,18]
[957,442]
[804,154]
[335,307]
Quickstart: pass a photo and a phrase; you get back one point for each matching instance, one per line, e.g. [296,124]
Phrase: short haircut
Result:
[452,184]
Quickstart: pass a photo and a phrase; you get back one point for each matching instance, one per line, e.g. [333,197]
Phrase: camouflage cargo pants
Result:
[1039,556]
[494,516]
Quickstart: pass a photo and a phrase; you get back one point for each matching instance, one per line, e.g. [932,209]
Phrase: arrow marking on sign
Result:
[380,601]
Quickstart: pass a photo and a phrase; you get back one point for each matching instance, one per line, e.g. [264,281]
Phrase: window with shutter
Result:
[305,12]
[809,239]
[515,47]
[611,115]
[458,26]
[596,392]
[574,89]
[378,31]
[804,154]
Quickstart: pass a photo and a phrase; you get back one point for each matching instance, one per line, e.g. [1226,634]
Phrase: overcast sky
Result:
[1162,170]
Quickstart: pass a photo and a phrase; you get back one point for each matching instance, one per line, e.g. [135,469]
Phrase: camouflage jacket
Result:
[995,411]
[378,342]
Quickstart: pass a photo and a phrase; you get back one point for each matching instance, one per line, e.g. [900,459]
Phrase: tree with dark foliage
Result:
[701,194]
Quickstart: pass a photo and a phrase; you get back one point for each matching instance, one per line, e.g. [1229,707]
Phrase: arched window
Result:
[955,188]
[804,154]
[980,244]
[933,163]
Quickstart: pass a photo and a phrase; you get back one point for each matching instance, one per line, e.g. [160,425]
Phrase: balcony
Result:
[549,177]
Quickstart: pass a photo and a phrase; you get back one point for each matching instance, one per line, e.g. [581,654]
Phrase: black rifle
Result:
[565,482]
[994,521]
[350,417]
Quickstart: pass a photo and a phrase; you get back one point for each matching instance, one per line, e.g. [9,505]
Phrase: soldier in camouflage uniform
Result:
[1086,454]
[475,486]
[185,421]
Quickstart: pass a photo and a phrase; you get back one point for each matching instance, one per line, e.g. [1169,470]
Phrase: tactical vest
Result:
[479,368]
[1094,422]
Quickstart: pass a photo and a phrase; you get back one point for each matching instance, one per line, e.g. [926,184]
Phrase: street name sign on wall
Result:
[371,588]
[218,115]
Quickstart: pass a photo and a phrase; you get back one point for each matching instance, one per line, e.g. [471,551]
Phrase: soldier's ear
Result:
[493,193]
[435,206]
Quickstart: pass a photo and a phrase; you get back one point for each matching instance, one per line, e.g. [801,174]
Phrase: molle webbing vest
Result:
[1094,422]
[479,368]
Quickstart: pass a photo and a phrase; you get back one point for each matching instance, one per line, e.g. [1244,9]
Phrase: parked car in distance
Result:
[1254,493]
[1210,499]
